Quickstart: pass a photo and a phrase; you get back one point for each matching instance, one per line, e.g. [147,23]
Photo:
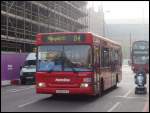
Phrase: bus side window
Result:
[100,60]
[96,56]
[112,56]
[118,57]
[105,57]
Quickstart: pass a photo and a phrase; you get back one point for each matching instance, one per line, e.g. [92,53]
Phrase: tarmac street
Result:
[23,98]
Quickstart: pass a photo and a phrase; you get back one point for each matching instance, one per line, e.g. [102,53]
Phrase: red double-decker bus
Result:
[76,63]
[140,56]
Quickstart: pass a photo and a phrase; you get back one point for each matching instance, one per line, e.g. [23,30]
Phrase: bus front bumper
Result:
[87,91]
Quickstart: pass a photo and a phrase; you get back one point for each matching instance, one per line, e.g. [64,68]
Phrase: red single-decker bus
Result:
[76,63]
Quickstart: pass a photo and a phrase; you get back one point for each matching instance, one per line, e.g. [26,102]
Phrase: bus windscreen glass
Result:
[141,45]
[64,58]
[140,59]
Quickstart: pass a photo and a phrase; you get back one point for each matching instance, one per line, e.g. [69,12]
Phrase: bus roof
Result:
[106,39]
[141,41]
[64,33]
[100,37]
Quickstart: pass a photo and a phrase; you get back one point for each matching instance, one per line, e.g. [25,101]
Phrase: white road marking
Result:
[15,90]
[113,107]
[132,97]
[126,94]
[22,105]
[31,102]
[12,90]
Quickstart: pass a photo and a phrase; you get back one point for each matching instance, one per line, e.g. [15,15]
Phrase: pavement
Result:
[23,98]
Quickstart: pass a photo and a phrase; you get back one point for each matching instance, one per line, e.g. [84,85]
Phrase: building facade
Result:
[22,20]
[96,22]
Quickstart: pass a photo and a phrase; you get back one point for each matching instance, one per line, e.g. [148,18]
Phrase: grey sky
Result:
[128,12]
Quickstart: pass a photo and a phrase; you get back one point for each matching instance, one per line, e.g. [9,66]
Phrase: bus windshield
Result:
[140,59]
[64,58]
[141,45]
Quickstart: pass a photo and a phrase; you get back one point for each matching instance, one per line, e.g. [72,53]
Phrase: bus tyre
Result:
[135,91]
[145,91]
[97,91]
[101,88]
[115,86]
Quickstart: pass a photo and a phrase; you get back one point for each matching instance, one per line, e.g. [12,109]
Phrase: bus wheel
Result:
[98,90]
[101,87]
[115,86]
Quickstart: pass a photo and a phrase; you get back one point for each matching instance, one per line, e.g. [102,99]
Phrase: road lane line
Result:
[31,102]
[19,88]
[145,109]
[15,90]
[131,97]
[11,90]
[125,95]
[113,107]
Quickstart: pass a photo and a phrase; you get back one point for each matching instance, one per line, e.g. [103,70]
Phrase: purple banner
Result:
[10,65]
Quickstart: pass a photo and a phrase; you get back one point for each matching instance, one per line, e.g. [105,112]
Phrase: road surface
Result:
[122,99]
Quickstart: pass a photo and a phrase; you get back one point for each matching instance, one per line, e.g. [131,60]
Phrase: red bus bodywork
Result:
[136,67]
[70,82]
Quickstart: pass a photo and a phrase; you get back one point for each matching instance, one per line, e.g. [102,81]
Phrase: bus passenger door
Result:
[105,67]
[97,68]
[113,66]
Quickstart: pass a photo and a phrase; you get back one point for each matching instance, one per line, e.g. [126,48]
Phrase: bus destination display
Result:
[63,38]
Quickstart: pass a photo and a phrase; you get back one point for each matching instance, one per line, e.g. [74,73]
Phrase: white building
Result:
[96,21]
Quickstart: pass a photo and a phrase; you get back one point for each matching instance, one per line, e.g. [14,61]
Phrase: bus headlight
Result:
[41,84]
[84,85]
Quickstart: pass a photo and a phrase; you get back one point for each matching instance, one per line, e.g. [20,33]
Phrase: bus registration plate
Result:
[62,91]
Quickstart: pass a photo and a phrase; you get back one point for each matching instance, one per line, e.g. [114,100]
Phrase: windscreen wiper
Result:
[50,70]
[70,65]
[73,69]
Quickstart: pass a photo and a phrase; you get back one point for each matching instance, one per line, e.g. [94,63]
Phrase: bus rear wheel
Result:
[101,88]
[115,86]
[97,92]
